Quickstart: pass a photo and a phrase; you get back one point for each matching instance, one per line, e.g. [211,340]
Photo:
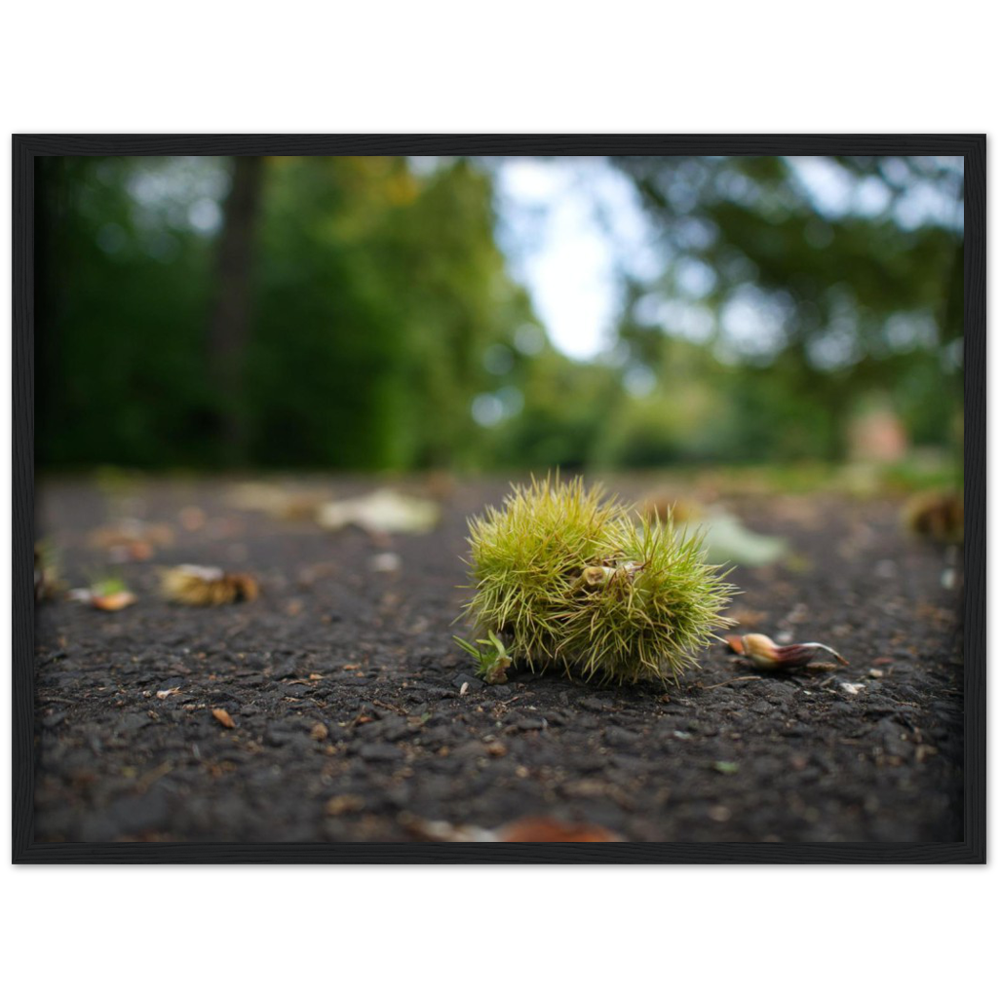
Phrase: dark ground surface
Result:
[369,655]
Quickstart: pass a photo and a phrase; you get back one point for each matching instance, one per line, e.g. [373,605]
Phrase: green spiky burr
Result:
[565,577]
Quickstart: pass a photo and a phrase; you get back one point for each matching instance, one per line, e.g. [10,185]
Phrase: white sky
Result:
[567,225]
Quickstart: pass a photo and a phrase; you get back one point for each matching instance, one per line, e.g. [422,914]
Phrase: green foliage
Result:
[568,578]
[375,293]
[121,315]
[107,584]
[386,327]
[847,299]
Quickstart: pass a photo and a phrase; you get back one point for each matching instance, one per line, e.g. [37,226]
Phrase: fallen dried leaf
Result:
[528,830]
[206,586]
[113,602]
[768,655]
[344,803]
[939,516]
[380,513]
[166,693]
[289,504]
[539,830]
[223,717]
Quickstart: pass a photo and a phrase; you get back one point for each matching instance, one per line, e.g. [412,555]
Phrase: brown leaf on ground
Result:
[207,586]
[344,803]
[937,515]
[113,602]
[279,501]
[527,830]
[766,654]
[223,717]
[542,830]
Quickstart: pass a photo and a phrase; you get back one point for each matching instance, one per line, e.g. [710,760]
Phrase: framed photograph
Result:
[499,499]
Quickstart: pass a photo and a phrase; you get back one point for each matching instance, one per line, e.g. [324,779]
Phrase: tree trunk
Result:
[229,332]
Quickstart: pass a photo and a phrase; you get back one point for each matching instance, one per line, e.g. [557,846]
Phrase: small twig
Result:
[391,708]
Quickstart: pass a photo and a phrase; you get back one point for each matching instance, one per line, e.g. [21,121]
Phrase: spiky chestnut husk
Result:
[570,579]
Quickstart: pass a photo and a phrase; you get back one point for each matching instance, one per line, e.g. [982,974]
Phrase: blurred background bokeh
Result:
[399,314]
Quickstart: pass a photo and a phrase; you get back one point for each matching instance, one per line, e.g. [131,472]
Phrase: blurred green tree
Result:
[354,336]
[817,290]
[122,290]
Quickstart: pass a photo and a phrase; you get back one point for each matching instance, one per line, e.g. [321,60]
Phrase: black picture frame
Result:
[25,150]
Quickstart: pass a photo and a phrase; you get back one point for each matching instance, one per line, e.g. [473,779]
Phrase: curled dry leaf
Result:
[223,717]
[527,830]
[766,654]
[207,586]
[279,501]
[939,516]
